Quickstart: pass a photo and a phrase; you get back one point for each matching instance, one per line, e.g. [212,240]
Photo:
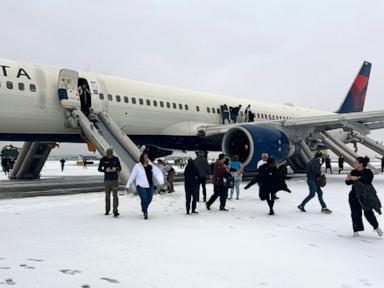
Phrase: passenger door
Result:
[68,93]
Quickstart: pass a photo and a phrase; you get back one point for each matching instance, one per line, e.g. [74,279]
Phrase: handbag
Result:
[229,181]
[322,180]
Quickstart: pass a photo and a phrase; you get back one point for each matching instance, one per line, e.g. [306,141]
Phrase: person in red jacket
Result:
[220,172]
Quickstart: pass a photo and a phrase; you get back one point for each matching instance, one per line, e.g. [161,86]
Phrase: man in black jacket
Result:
[313,174]
[191,185]
[203,171]
[110,165]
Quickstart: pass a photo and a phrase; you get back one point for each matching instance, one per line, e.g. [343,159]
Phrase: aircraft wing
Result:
[361,122]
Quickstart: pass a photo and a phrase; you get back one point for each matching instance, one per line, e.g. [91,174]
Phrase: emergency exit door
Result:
[67,92]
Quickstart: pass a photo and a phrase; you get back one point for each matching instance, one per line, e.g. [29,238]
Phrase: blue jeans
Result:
[146,195]
[237,182]
[314,188]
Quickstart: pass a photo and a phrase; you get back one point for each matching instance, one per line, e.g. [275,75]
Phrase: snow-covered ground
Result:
[53,169]
[66,241]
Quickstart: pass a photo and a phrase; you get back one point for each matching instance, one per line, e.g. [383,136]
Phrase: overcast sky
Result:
[304,52]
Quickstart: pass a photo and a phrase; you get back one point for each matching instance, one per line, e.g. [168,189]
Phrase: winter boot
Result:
[326,211]
[301,208]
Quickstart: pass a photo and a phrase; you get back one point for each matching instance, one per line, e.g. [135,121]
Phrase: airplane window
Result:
[198,108]
[181,106]
[208,110]
[126,100]
[258,116]
[242,114]
[218,111]
[9,85]
[168,105]
[133,100]
[213,110]
[109,97]
[148,102]
[141,101]
[155,103]
[32,87]
[118,98]
[101,96]
[161,104]
[21,86]
[186,107]
[174,105]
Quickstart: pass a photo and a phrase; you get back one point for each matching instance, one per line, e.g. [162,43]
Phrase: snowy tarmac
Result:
[66,241]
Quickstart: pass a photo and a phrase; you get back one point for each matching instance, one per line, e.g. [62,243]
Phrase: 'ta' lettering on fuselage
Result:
[20,72]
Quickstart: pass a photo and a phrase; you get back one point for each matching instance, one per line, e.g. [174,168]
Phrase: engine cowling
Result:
[249,142]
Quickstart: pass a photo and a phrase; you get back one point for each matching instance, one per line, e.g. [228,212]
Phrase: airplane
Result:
[41,106]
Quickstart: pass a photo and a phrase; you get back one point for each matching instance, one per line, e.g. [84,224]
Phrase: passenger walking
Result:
[328,164]
[145,175]
[85,98]
[93,118]
[62,163]
[170,176]
[203,171]
[220,173]
[247,112]
[236,169]
[313,178]
[263,160]
[191,185]
[382,163]
[225,113]
[235,113]
[251,116]
[363,197]
[341,164]
[271,180]
[85,163]
[110,166]
[6,164]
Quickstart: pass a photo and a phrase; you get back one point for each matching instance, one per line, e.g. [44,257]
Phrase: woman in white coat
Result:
[145,175]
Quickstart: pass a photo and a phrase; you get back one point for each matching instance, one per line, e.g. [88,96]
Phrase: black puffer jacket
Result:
[270,179]
[365,192]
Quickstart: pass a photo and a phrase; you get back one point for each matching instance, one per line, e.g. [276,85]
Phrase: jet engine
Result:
[249,142]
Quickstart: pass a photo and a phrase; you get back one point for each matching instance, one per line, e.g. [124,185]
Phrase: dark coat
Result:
[313,169]
[365,192]
[202,166]
[191,176]
[270,179]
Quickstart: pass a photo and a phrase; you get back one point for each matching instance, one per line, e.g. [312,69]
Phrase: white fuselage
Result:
[24,112]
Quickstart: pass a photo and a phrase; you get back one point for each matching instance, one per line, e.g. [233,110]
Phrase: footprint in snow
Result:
[36,260]
[5,268]
[110,280]
[26,266]
[85,286]
[365,282]
[70,271]
[10,282]
[314,245]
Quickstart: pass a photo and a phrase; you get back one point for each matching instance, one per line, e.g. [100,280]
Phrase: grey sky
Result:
[305,52]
